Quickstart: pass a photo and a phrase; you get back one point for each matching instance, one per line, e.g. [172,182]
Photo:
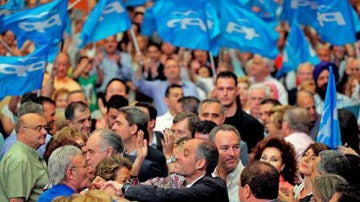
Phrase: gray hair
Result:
[333,162]
[298,119]
[325,185]
[30,107]
[223,127]
[59,161]
[261,86]
[210,100]
[109,139]
[208,151]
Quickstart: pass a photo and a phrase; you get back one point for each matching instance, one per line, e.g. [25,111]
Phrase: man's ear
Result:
[201,164]
[166,100]
[109,151]
[133,129]
[247,191]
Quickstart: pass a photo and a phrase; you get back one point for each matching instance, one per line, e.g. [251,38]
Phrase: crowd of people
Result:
[111,123]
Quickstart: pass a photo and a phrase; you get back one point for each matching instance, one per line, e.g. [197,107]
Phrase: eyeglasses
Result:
[39,128]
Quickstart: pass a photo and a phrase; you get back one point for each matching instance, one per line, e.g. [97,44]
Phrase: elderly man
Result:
[101,144]
[295,128]
[256,94]
[23,174]
[227,141]
[156,89]
[68,172]
[259,72]
[78,114]
[195,162]
[259,183]
[62,80]
[128,123]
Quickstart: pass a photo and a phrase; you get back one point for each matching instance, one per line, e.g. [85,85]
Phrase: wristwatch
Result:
[171,159]
[125,187]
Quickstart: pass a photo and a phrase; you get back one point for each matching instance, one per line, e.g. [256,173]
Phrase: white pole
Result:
[6,46]
[212,64]
[136,45]
[357,52]
[73,4]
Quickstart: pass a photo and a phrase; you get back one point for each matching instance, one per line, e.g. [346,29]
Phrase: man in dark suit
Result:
[227,94]
[195,162]
[128,123]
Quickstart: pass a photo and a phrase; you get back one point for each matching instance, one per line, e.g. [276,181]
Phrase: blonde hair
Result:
[277,113]
[93,195]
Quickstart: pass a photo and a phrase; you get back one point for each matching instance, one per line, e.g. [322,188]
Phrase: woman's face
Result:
[243,91]
[271,128]
[61,101]
[306,162]
[272,155]
[122,175]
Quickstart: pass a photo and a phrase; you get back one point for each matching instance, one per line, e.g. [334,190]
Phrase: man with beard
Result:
[321,75]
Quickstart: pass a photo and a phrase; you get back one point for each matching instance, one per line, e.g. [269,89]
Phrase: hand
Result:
[97,183]
[286,195]
[112,188]
[168,143]
[347,150]
[141,146]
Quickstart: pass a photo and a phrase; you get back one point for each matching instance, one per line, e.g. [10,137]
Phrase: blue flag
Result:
[329,130]
[297,50]
[336,24]
[148,26]
[5,10]
[39,24]
[304,11]
[16,4]
[22,74]
[187,23]
[134,3]
[244,30]
[109,17]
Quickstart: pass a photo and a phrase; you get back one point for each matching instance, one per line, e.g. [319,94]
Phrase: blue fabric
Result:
[297,50]
[187,23]
[56,191]
[335,15]
[129,3]
[304,11]
[41,24]
[109,17]
[16,4]
[156,89]
[5,10]
[11,139]
[244,30]
[148,25]
[22,74]
[329,130]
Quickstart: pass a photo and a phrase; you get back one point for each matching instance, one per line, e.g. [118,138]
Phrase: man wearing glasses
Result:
[23,174]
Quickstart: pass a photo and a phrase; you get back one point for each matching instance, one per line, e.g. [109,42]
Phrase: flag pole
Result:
[73,4]
[136,45]
[357,52]
[212,64]
[6,46]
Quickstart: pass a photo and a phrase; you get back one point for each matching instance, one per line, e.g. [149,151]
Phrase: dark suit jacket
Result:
[153,166]
[206,189]
[159,136]
[250,129]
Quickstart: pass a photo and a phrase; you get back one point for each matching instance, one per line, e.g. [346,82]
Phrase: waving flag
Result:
[16,4]
[335,20]
[329,130]
[22,74]
[148,26]
[134,2]
[305,10]
[109,17]
[297,50]
[244,30]
[39,24]
[187,23]
[5,10]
